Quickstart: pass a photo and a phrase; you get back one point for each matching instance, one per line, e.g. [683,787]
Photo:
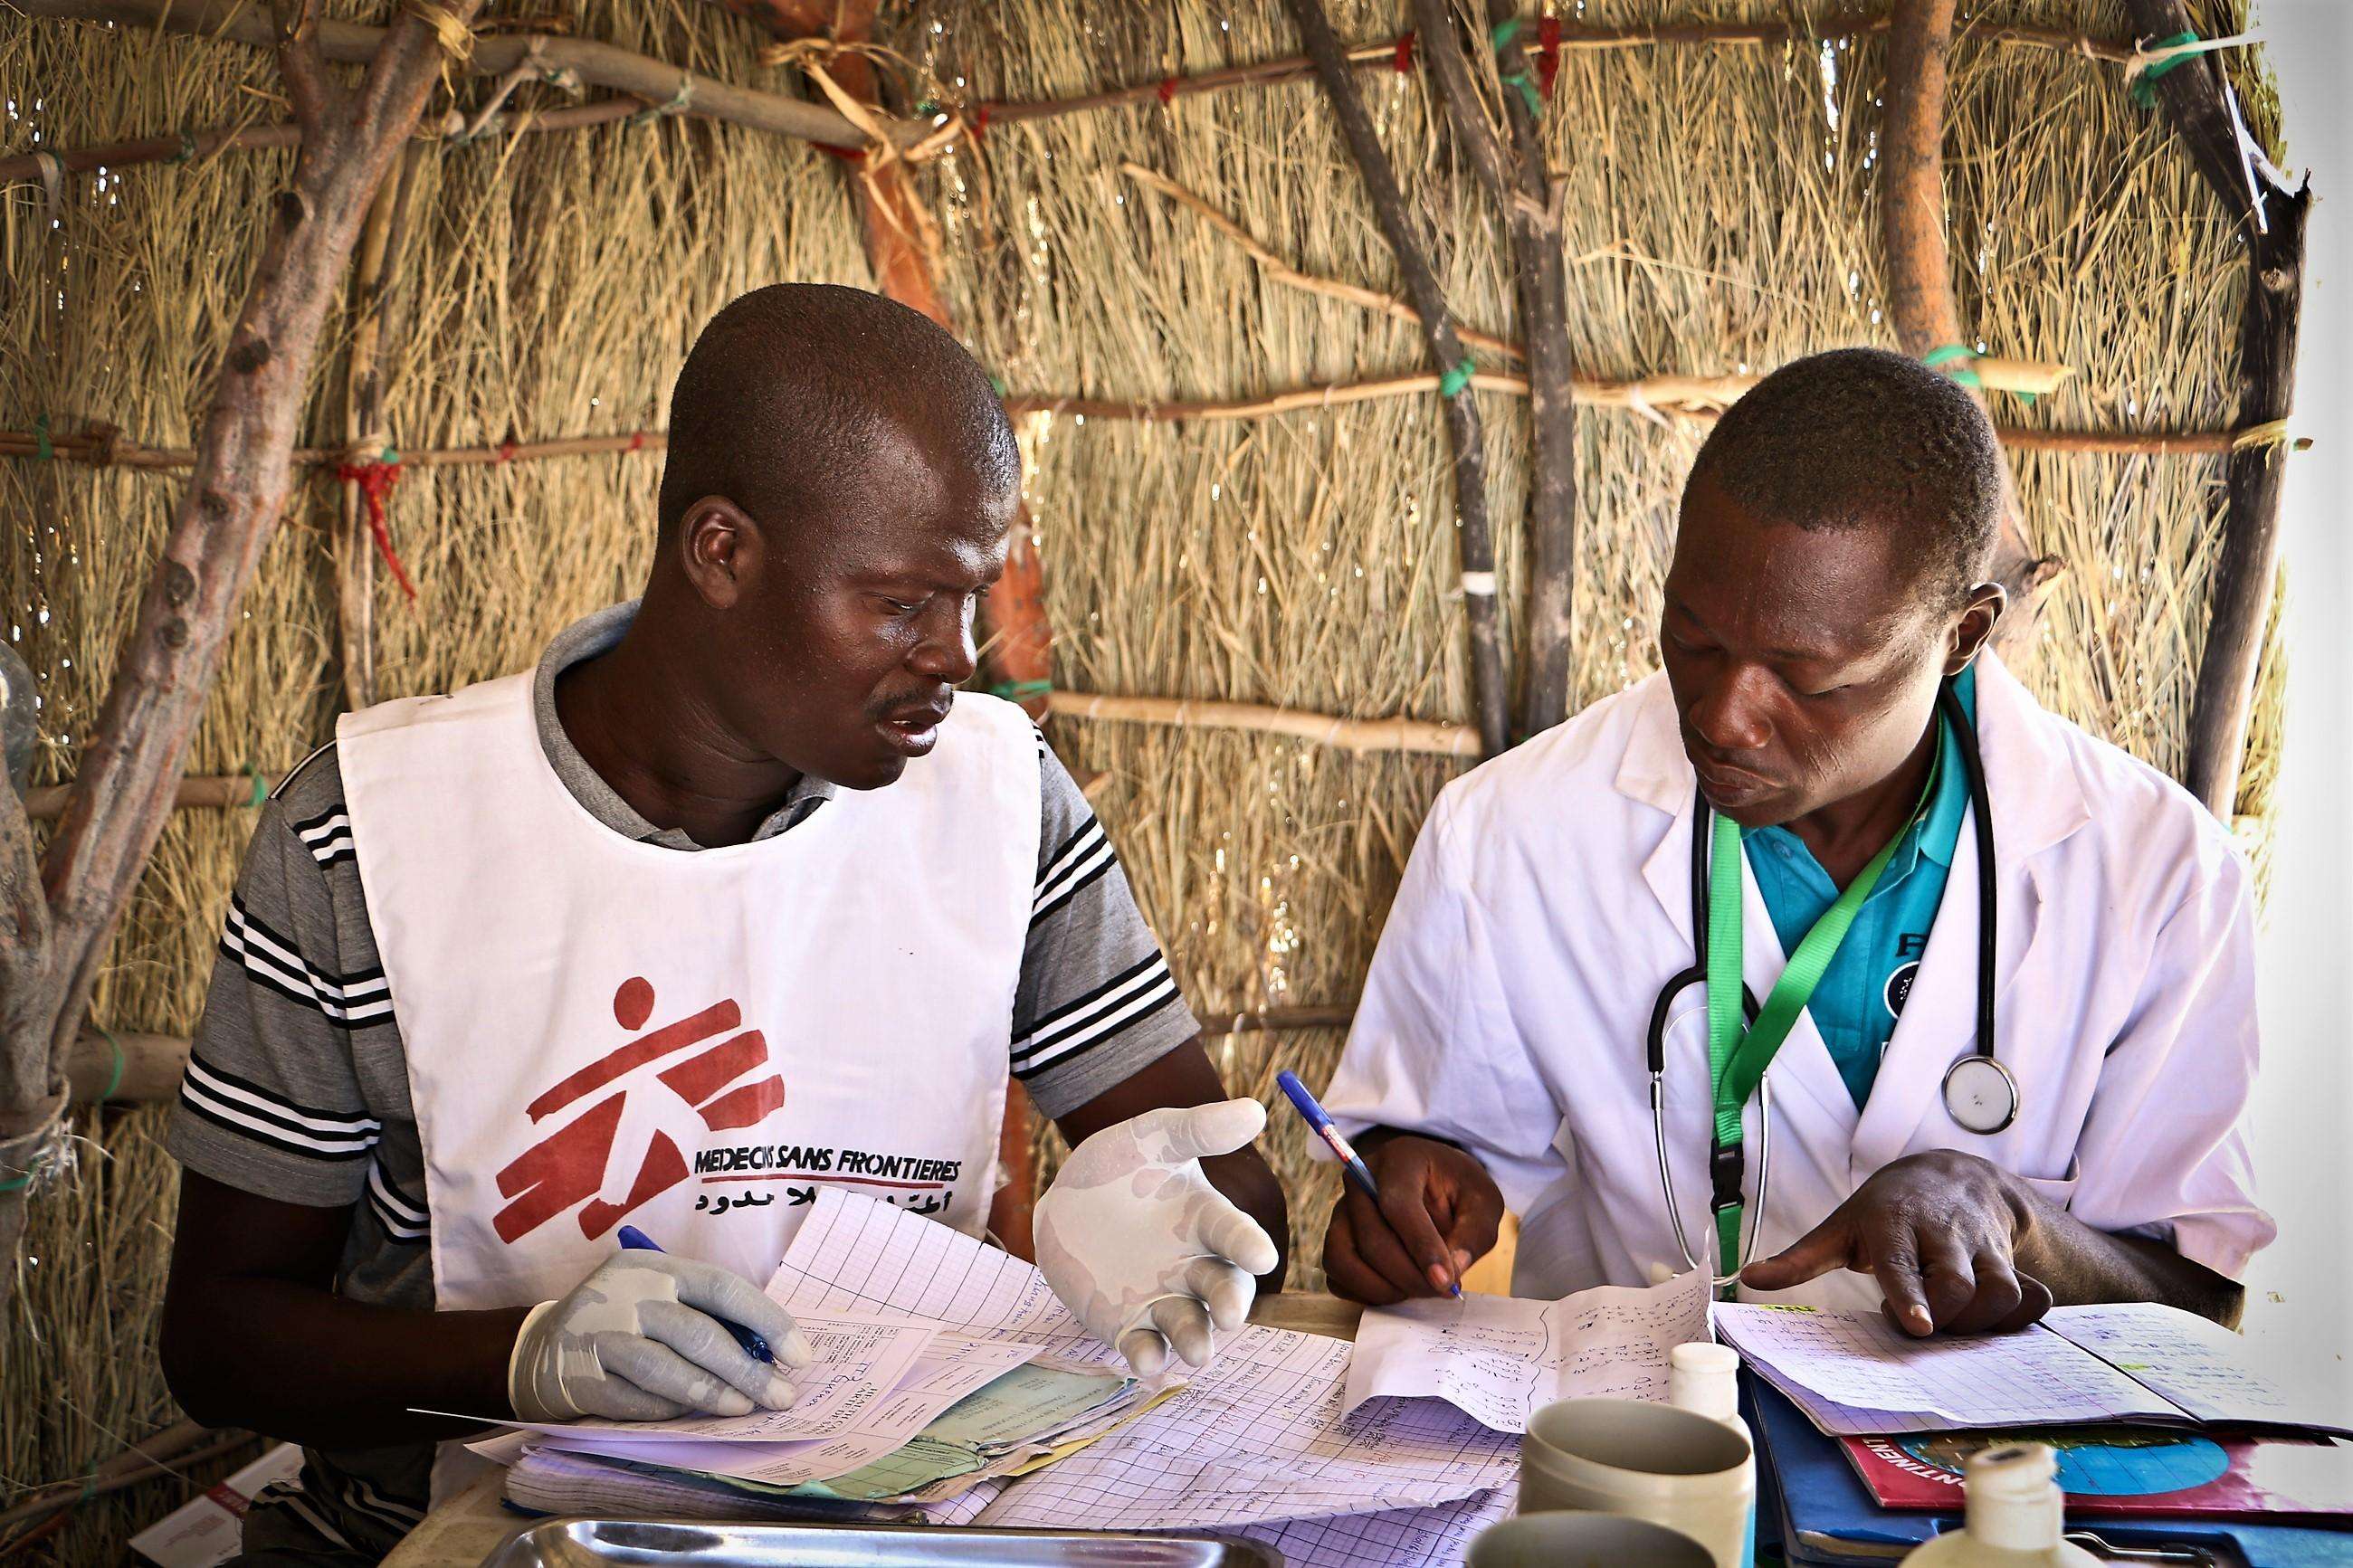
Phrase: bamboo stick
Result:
[658,82]
[1573,35]
[1269,1020]
[1474,538]
[1325,729]
[194,145]
[1282,272]
[354,559]
[47,801]
[1697,397]
[182,1443]
[2196,97]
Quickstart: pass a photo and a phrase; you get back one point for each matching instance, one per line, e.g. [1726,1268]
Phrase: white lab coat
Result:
[1548,900]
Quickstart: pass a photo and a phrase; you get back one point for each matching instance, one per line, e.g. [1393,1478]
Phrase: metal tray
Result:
[595,1543]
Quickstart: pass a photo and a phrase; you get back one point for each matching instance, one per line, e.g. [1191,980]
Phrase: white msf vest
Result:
[601,1031]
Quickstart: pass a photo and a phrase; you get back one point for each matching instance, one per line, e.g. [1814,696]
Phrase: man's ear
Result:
[721,548]
[1987,602]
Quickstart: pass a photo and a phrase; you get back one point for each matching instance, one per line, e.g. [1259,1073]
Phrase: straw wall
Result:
[1721,216]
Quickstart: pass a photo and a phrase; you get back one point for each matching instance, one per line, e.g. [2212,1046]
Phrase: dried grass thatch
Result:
[1721,216]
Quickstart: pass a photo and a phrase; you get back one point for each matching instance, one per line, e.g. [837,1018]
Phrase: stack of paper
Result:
[1856,1374]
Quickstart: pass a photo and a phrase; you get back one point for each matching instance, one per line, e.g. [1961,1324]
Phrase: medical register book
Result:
[1856,1374]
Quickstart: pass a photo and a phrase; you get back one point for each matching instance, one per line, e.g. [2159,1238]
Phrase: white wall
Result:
[2303,1114]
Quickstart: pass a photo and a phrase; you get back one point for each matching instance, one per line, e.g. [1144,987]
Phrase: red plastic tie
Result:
[1168,89]
[376,482]
[1403,63]
[1547,52]
[979,122]
[847,154]
[506,451]
[637,441]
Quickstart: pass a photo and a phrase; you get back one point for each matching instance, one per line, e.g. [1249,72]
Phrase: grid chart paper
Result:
[1257,1437]
[1396,1538]
[1260,1437]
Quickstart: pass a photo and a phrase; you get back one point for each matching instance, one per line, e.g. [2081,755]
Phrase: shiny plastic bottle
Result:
[1704,1379]
[2013,1516]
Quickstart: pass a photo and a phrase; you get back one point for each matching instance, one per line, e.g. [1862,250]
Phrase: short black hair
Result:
[788,387]
[1866,439]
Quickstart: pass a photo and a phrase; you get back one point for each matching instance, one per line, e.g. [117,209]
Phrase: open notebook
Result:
[1855,1374]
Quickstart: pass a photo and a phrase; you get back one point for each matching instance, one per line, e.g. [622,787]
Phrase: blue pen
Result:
[1321,1121]
[632,1239]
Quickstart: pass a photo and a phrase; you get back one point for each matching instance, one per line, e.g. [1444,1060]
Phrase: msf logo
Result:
[568,1166]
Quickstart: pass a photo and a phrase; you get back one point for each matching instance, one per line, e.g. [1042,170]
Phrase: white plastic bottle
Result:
[1704,1379]
[2013,1516]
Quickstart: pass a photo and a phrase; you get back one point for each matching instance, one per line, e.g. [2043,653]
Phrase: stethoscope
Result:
[1979,1093]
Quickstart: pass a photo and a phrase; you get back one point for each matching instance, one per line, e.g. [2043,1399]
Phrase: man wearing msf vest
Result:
[734,899]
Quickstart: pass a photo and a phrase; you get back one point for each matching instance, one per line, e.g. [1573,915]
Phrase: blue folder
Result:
[1825,1517]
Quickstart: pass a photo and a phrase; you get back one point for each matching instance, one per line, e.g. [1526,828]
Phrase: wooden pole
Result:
[1475,538]
[1017,653]
[55,919]
[1919,266]
[353,544]
[2196,98]
[659,83]
[1528,199]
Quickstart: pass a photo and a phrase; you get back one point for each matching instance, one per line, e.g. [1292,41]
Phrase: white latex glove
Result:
[639,1341]
[1137,1243]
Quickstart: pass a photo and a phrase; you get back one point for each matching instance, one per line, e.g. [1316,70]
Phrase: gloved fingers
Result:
[1222,1229]
[662,1371]
[617,1400]
[1145,1349]
[723,1293]
[1184,1323]
[1225,1289]
[1194,1131]
[701,1339]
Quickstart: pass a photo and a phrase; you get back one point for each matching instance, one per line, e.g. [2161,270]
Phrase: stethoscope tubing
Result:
[1981,812]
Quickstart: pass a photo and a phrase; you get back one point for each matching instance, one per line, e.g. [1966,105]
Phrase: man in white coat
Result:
[1807,795]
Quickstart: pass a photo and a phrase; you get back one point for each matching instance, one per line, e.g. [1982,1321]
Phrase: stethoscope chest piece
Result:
[1980,1094]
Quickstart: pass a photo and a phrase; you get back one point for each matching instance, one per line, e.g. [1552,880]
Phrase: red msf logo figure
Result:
[567,1166]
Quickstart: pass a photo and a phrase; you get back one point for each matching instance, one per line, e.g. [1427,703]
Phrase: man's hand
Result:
[1137,1243]
[639,1339]
[1438,1215]
[1940,1231]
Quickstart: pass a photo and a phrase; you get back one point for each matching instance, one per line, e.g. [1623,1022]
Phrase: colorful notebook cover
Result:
[2146,1472]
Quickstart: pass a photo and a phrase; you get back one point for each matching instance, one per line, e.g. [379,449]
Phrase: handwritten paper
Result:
[2201,1366]
[1502,1358]
[1856,1374]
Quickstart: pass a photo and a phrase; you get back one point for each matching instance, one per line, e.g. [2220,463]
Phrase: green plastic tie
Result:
[996,385]
[2143,82]
[187,149]
[260,787]
[1938,358]
[1528,93]
[1503,32]
[43,451]
[1022,691]
[1451,383]
[114,1080]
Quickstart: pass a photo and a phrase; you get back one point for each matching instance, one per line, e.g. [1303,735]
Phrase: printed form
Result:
[1502,1358]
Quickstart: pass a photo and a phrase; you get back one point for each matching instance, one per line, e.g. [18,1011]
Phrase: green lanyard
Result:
[1736,1060]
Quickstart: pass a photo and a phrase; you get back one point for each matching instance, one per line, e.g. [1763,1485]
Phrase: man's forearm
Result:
[2083,1266]
[340,1373]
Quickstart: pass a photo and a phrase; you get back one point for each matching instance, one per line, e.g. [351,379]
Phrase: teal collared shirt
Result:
[1863,991]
